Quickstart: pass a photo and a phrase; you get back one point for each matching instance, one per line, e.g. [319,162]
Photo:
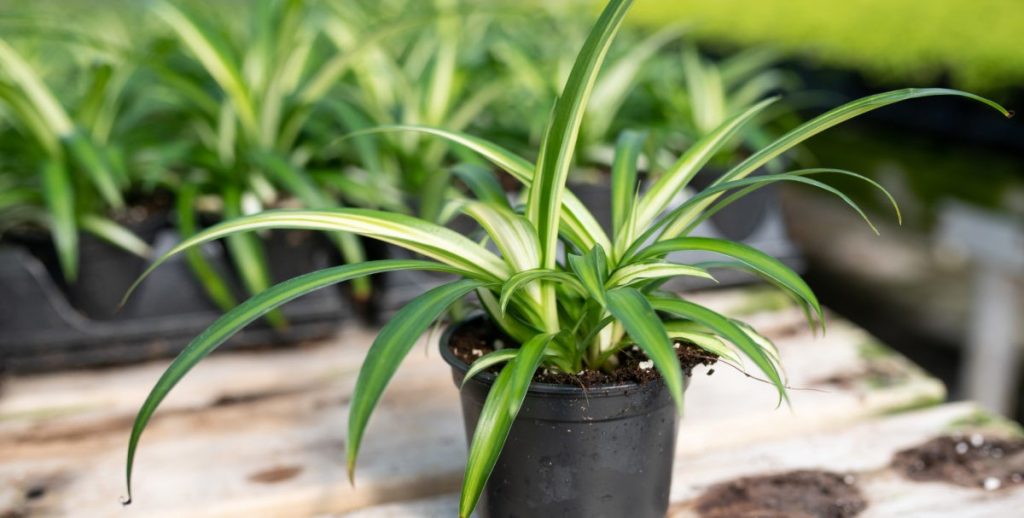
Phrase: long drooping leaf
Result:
[646,330]
[578,224]
[698,335]
[818,125]
[679,175]
[419,236]
[798,178]
[60,202]
[666,224]
[248,255]
[389,349]
[496,417]
[624,181]
[761,262]
[232,321]
[298,182]
[728,330]
[556,155]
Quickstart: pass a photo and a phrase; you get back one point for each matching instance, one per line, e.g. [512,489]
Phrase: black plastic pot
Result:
[597,452]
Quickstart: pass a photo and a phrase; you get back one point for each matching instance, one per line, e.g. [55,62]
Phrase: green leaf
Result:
[211,280]
[60,203]
[611,91]
[231,322]
[638,272]
[512,233]
[624,180]
[39,96]
[115,234]
[96,167]
[645,328]
[488,360]
[578,224]
[216,58]
[743,187]
[499,411]
[393,343]
[592,271]
[728,330]
[298,182]
[418,236]
[818,125]
[544,201]
[795,176]
[523,278]
[760,262]
[248,255]
[690,163]
[698,335]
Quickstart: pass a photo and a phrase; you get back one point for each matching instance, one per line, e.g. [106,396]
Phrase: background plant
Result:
[72,153]
[249,96]
[568,310]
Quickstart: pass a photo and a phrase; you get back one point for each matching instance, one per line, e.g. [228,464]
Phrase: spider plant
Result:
[249,93]
[569,293]
[67,162]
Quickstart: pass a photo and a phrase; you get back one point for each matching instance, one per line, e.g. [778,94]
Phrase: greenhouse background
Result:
[126,127]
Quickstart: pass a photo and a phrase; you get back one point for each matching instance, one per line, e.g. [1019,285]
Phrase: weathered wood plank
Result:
[263,434]
[864,450]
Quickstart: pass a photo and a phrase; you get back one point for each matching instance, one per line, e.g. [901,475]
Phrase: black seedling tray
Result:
[45,325]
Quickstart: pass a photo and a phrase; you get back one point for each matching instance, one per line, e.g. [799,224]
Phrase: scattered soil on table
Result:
[796,494]
[275,474]
[965,460]
[479,337]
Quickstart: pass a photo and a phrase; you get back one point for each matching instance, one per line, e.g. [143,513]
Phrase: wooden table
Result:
[263,434]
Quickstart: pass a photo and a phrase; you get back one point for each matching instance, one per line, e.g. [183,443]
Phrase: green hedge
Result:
[978,42]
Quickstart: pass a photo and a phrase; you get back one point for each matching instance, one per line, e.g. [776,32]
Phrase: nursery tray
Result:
[263,434]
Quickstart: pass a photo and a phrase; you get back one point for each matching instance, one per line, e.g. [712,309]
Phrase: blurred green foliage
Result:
[977,42]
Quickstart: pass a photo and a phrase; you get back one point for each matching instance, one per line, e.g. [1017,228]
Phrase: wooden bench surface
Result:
[263,434]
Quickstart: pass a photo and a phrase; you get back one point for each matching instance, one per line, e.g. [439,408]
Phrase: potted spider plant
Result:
[563,302]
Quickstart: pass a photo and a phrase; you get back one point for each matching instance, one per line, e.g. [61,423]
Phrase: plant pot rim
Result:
[549,389]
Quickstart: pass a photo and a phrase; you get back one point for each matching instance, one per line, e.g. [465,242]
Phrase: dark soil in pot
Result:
[593,445]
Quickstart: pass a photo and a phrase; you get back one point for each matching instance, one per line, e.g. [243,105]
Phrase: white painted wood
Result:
[285,415]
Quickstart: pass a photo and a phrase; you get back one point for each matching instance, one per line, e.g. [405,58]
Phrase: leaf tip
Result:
[351,473]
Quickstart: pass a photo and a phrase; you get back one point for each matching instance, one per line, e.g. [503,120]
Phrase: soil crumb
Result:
[478,337]
[275,474]
[965,460]
[796,494]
